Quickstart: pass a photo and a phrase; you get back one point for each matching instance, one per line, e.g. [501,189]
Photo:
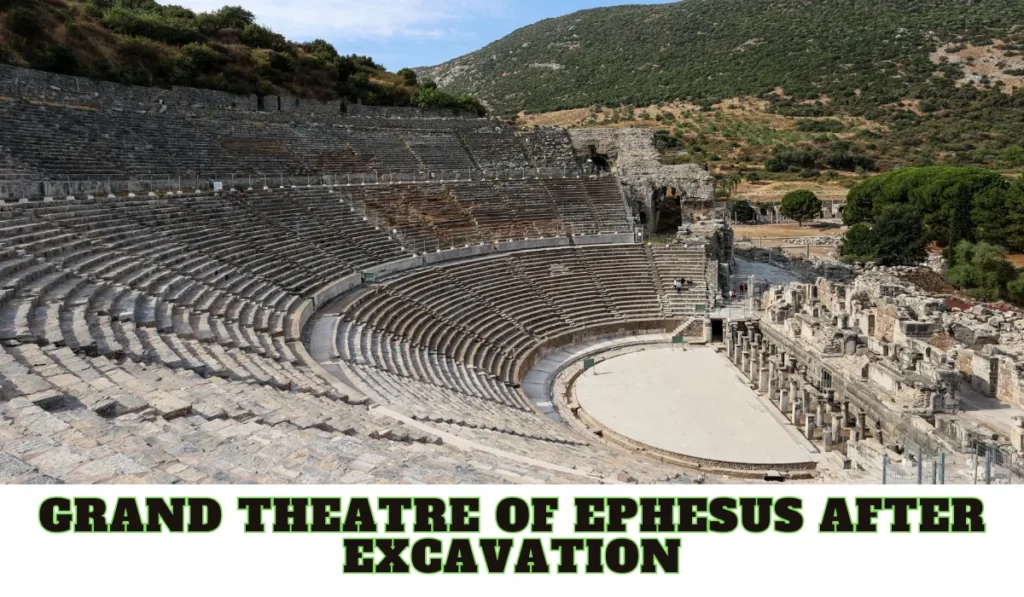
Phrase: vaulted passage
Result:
[668,212]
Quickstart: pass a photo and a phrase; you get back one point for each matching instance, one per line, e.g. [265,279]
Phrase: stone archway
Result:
[667,210]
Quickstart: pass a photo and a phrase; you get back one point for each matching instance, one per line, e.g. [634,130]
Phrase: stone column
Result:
[837,429]
[795,413]
[846,413]
[784,401]
[793,395]
[862,423]
[820,412]
[745,363]
[827,439]
[762,383]
[809,426]
[773,381]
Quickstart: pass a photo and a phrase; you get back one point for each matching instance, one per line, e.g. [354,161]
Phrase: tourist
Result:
[679,285]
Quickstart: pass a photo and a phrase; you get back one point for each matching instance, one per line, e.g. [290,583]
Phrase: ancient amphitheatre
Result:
[388,295]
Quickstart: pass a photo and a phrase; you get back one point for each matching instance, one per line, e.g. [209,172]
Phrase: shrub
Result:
[324,51]
[229,17]
[92,9]
[258,36]
[282,62]
[151,25]
[23,21]
[665,140]
[819,126]
[140,48]
[408,75]
[1015,289]
[58,60]
[201,57]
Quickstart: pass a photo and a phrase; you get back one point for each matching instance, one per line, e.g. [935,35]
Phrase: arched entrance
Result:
[666,203]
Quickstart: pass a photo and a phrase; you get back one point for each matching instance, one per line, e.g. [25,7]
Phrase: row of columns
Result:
[820,415]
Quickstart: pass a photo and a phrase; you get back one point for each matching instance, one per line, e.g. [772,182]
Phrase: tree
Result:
[899,236]
[858,243]
[323,51]
[998,214]
[408,75]
[932,191]
[729,182]
[1015,289]
[981,270]
[961,227]
[742,212]
[800,206]
[1012,156]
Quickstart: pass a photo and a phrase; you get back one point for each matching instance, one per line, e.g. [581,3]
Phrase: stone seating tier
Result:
[63,142]
[143,339]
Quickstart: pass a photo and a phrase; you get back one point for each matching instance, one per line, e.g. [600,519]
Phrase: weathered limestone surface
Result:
[903,357]
[636,164]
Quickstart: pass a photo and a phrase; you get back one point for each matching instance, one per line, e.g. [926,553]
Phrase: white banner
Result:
[698,539]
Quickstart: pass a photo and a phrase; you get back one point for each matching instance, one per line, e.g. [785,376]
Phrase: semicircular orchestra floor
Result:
[688,402]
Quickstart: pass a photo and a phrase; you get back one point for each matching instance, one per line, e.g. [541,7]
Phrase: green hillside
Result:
[947,75]
[141,42]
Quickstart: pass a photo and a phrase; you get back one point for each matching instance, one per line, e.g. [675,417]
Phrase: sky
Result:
[401,33]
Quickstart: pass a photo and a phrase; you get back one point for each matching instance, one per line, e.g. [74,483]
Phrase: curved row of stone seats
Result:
[672,261]
[522,432]
[156,280]
[78,309]
[605,199]
[424,214]
[591,458]
[82,270]
[441,344]
[70,418]
[440,151]
[496,147]
[486,314]
[325,218]
[457,213]
[14,169]
[68,142]
[503,214]
[549,147]
[437,404]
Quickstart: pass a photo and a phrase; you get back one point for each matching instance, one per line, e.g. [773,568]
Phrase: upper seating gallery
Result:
[60,127]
